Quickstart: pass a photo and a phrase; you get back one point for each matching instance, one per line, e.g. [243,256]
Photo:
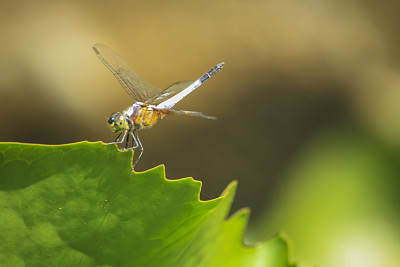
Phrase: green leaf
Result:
[78,205]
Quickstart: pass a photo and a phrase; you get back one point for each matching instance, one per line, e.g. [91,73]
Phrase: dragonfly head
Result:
[117,123]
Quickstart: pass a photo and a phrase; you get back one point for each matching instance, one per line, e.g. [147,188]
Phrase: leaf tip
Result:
[230,189]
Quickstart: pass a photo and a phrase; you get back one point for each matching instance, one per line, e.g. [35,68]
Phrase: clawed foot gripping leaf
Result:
[78,205]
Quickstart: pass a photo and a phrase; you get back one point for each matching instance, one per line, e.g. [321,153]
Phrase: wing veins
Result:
[168,92]
[190,113]
[137,88]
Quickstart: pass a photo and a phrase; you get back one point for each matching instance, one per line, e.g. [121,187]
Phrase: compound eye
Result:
[111,120]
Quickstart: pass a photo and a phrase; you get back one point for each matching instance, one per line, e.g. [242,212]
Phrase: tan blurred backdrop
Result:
[294,69]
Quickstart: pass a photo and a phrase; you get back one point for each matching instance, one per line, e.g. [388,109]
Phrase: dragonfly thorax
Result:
[141,115]
[132,110]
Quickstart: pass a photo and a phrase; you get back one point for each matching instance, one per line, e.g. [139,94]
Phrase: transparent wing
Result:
[168,92]
[190,113]
[137,88]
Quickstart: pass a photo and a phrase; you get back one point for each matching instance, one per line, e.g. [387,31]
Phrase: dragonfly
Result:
[150,103]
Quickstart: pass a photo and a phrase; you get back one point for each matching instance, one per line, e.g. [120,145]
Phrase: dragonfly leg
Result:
[138,144]
[136,140]
[127,142]
[134,143]
[116,140]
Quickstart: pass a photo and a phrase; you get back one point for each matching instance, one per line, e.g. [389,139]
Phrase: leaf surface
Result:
[78,205]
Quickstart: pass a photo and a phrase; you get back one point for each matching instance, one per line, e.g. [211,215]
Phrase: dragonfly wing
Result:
[190,113]
[168,92]
[137,88]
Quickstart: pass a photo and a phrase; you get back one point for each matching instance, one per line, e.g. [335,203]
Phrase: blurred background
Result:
[307,105]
